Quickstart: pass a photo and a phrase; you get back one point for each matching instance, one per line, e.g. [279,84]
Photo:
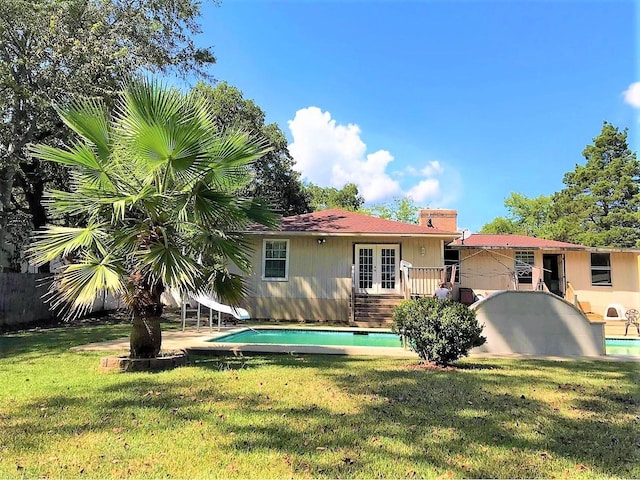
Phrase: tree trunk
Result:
[7,174]
[146,335]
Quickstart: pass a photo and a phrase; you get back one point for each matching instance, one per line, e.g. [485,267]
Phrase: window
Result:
[452,257]
[276,260]
[524,262]
[600,269]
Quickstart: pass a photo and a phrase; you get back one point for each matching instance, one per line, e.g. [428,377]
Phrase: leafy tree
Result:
[322,198]
[528,216]
[156,188]
[500,225]
[400,209]
[275,178]
[600,205]
[52,51]
[439,331]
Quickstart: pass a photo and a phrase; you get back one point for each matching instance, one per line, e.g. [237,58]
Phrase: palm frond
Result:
[168,264]
[89,119]
[229,288]
[77,286]
[55,242]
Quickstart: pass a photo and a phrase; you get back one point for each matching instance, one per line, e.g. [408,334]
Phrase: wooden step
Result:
[375,311]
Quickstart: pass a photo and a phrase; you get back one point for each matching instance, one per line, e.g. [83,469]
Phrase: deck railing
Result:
[420,281]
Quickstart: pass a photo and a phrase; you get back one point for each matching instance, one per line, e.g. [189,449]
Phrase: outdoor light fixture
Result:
[321,241]
[422,251]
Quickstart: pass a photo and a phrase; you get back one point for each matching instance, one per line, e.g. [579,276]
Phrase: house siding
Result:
[625,287]
[318,287]
[489,271]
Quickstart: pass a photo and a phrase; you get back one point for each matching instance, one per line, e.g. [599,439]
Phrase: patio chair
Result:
[632,319]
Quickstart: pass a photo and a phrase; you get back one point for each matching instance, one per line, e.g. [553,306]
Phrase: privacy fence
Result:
[21,298]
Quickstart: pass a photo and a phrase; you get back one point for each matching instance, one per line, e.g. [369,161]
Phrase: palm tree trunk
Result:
[146,335]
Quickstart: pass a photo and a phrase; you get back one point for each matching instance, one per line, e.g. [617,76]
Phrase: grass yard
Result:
[310,416]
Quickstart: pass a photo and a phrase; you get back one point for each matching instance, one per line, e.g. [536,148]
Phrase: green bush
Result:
[439,331]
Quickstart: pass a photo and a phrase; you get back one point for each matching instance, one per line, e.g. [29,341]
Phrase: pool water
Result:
[313,337]
[623,346]
[614,346]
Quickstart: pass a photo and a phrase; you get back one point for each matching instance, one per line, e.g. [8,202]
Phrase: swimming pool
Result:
[614,346]
[313,337]
[623,346]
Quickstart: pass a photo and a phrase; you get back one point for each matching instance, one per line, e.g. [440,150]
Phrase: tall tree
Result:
[600,205]
[399,209]
[527,216]
[275,178]
[156,190]
[322,198]
[52,51]
[501,225]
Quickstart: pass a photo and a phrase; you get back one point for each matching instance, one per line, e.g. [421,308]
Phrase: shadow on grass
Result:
[62,337]
[363,417]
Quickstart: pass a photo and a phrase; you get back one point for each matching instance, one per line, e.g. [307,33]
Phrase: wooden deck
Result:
[615,328]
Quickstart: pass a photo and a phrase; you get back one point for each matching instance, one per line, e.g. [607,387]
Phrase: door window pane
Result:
[365,261]
[388,268]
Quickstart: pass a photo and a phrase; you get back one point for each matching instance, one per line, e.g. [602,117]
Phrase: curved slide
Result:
[213,305]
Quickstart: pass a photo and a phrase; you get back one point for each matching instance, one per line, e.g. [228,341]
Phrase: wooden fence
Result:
[21,298]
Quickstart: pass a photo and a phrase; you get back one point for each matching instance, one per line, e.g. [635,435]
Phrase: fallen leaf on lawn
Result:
[447,474]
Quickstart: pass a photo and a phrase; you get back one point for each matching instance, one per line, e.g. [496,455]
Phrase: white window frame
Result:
[520,268]
[601,268]
[264,260]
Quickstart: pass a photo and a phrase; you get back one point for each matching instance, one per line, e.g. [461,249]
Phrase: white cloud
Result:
[425,191]
[432,169]
[331,154]
[632,95]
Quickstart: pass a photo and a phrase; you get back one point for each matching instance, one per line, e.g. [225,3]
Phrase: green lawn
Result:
[310,416]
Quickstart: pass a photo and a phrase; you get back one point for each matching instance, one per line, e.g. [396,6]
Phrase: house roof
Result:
[495,241]
[342,222]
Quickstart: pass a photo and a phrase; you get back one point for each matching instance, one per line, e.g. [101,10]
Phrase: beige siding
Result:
[318,287]
[487,271]
[624,290]
[490,271]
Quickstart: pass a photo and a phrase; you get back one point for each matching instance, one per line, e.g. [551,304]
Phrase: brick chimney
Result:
[441,219]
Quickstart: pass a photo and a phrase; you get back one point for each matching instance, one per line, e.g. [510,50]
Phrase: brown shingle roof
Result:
[344,222]
[478,240]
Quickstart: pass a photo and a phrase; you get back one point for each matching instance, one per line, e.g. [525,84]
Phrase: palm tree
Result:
[155,197]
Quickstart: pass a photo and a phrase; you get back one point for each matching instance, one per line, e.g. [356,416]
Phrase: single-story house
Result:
[592,278]
[336,265]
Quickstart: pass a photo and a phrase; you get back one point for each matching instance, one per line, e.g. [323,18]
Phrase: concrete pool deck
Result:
[199,341]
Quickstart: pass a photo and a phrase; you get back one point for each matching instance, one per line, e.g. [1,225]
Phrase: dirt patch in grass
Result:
[431,366]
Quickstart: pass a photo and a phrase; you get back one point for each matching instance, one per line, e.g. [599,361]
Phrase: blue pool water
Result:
[614,346]
[623,346]
[313,337]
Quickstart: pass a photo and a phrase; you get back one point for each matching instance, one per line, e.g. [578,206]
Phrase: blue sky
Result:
[455,103]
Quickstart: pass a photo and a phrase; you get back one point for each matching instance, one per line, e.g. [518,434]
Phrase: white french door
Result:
[377,268]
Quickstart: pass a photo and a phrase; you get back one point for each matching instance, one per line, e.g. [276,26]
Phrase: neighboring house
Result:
[594,277]
[336,265]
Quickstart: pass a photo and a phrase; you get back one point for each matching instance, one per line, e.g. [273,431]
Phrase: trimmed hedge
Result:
[439,331]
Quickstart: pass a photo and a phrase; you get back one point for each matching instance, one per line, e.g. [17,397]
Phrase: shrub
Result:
[439,331]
